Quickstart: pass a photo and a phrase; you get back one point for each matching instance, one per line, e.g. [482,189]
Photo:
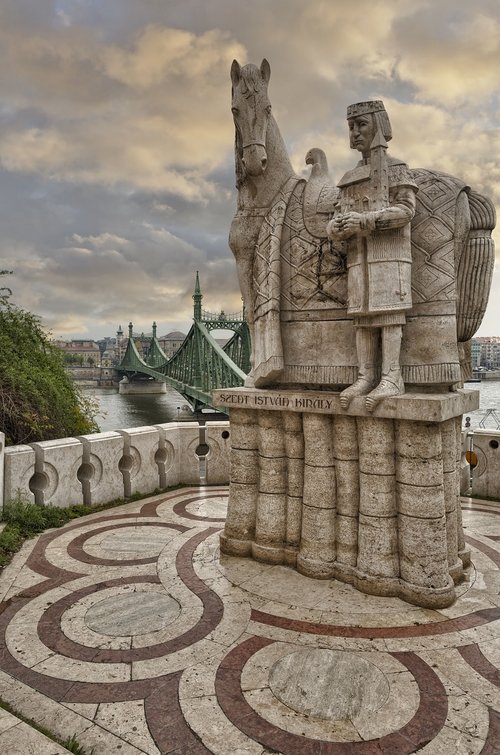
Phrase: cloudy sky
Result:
[116,137]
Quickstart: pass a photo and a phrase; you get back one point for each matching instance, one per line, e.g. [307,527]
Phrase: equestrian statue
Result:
[372,287]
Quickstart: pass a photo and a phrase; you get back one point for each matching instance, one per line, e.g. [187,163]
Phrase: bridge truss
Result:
[200,365]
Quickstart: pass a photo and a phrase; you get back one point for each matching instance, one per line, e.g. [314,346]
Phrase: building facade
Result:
[485,353]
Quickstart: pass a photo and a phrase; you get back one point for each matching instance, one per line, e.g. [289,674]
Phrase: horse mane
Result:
[238,159]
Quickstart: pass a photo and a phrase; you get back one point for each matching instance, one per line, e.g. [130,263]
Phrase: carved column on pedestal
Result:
[317,548]
[270,523]
[239,532]
[450,437]
[378,524]
[369,499]
[422,521]
[345,452]
[294,450]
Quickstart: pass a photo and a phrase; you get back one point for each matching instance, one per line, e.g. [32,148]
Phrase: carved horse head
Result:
[251,111]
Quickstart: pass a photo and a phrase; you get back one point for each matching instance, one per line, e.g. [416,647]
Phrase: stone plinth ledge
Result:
[420,407]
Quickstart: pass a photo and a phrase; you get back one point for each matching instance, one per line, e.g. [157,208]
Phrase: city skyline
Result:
[116,138]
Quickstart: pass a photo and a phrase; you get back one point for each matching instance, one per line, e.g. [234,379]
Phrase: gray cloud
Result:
[117,176]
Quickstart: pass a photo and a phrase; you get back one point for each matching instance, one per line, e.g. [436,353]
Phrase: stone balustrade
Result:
[102,467]
[98,468]
[486,474]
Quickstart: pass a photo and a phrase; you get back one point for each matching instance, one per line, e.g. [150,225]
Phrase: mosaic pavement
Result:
[127,629]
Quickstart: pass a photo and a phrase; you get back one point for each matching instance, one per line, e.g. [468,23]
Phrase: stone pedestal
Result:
[128,387]
[369,499]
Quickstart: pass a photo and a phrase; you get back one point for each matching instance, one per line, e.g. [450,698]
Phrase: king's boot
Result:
[366,347]
[391,383]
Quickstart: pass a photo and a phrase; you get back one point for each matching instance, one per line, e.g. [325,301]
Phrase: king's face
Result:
[361,133]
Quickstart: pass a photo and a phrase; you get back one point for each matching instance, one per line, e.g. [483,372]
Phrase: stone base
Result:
[268,554]
[368,499]
[141,387]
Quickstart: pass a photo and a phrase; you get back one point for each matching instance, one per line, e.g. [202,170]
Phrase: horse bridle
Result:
[251,144]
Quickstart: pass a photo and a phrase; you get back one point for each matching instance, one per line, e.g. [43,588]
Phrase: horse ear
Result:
[265,70]
[235,72]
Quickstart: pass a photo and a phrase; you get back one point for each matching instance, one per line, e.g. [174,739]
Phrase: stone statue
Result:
[291,260]
[361,298]
[372,215]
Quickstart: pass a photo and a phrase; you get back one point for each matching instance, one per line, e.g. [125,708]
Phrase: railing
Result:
[481,477]
[222,316]
[99,468]
[102,467]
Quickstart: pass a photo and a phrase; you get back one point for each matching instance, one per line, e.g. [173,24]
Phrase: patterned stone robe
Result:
[379,258]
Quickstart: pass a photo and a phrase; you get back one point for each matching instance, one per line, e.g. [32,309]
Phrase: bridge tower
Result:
[200,365]
[197,297]
[197,316]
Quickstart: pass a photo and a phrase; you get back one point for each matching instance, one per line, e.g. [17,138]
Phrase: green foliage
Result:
[5,291]
[38,400]
[72,745]
[11,540]
[30,518]
[24,519]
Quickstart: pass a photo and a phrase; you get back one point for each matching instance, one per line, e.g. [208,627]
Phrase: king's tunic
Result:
[379,256]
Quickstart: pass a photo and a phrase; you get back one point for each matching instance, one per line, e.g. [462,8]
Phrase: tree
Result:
[38,400]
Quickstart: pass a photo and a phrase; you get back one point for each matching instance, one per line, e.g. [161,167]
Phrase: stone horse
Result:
[293,279]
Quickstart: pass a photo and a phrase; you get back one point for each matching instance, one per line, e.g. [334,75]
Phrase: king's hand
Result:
[345,225]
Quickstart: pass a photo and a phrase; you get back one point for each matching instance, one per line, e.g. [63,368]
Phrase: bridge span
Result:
[200,365]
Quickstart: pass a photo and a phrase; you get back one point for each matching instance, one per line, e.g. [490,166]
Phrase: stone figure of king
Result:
[372,216]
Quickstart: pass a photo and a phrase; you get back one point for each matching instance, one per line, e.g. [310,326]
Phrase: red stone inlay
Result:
[492,554]
[64,689]
[423,727]
[493,738]
[38,562]
[76,551]
[166,721]
[151,508]
[50,632]
[478,661]
[90,692]
[180,509]
[478,618]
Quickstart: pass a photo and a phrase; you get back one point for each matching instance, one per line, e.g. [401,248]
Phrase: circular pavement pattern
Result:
[131,629]
[328,684]
[131,614]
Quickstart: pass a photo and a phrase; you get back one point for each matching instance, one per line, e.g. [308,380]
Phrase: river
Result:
[119,412]
[489,399]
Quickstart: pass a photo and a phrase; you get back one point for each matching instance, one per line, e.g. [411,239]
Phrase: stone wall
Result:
[99,468]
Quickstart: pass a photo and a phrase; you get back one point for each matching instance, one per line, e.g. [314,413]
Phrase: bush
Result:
[29,518]
[38,400]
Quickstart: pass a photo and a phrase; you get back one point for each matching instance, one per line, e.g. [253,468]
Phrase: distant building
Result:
[485,352]
[171,342]
[80,353]
[475,354]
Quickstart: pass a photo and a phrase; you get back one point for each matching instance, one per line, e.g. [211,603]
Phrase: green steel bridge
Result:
[200,365]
